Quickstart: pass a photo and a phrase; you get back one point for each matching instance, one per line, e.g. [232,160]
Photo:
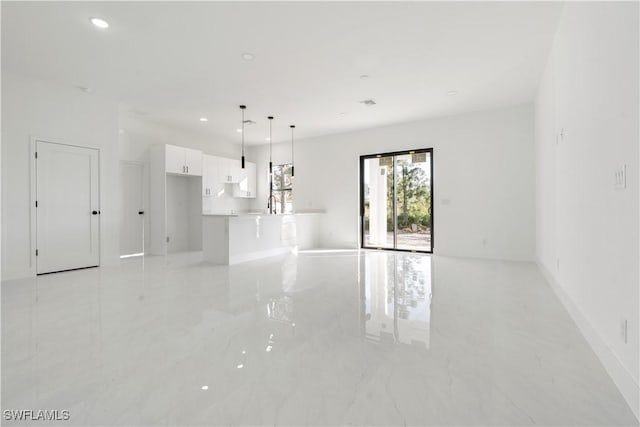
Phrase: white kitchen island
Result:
[231,239]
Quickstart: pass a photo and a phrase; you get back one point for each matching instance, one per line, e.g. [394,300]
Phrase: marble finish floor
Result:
[314,338]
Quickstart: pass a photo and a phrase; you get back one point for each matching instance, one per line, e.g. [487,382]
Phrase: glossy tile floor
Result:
[321,338]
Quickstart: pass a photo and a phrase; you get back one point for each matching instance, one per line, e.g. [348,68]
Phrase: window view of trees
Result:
[283,188]
[413,197]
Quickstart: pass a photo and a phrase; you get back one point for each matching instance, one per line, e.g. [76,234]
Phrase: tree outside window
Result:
[283,188]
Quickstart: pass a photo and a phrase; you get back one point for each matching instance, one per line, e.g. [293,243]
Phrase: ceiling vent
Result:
[368,102]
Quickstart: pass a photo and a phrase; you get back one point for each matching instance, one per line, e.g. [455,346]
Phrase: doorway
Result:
[67,207]
[132,220]
[396,200]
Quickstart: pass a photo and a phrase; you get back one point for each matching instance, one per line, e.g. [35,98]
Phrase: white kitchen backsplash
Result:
[225,204]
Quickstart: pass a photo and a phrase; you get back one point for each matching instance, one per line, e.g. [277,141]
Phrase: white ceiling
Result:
[180,61]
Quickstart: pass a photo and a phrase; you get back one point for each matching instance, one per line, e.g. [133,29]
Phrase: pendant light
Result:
[242,108]
[270,143]
[270,202]
[292,128]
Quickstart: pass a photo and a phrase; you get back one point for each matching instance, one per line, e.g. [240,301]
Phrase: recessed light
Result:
[100,23]
[248,56]
[204,119]
[267,139]
[452,92]
[239,130]
[205,387]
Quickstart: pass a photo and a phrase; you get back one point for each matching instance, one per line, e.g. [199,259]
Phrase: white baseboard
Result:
[619,374]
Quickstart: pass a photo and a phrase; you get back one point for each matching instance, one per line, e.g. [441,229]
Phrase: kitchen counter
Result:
[234,238]
[262,215]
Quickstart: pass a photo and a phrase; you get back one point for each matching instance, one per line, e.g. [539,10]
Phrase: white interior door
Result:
[68,207]
[132,221]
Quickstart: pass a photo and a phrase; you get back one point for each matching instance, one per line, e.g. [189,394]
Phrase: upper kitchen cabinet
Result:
[183,161]
[229,170]
[247,183]
[211,184]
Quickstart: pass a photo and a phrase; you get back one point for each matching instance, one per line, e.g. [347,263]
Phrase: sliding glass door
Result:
[396,192]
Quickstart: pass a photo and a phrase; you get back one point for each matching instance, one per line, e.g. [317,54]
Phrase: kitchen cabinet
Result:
[183,161]
[229,170]
[221,175]
[247,184]
[211,183]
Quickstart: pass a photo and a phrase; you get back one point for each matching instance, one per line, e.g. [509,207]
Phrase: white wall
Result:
[184,213]
[587,232]
[483,164]
[32,108]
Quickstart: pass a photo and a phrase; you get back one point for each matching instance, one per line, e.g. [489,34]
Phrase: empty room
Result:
[320,213]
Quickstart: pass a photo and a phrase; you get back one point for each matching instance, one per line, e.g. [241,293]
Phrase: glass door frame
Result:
[395,213]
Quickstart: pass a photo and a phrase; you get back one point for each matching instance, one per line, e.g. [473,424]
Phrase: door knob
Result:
[94,213]
[140,212]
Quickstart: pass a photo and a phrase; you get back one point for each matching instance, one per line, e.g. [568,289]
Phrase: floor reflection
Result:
[396,290]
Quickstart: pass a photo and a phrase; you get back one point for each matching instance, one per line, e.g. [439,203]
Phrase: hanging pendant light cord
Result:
[242,108]
[271,197]
[292,169]
[270,144]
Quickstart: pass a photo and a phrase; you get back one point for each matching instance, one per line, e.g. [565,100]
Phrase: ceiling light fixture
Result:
[239,130]
[204,119]
[292,128]
[242,108]
[248,56]
[99,23]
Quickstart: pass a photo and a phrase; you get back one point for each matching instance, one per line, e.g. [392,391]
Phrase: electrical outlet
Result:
[623,330]
[620,178]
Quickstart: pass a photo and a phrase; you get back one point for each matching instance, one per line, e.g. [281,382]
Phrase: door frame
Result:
[145,199]
[361,183]
[33,229]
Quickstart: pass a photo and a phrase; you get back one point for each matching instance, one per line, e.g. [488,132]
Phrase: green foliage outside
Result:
[413,197]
